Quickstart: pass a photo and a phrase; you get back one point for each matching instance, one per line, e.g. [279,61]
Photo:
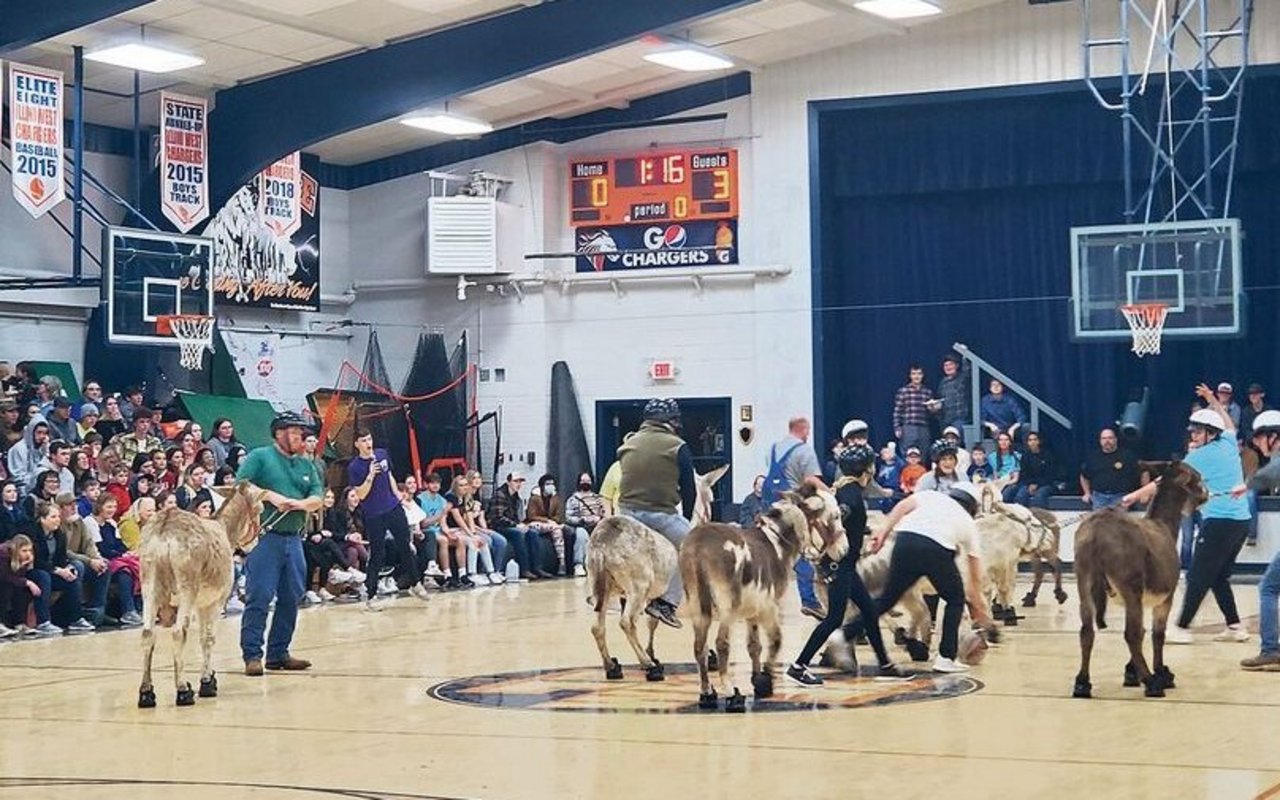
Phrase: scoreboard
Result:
[676,187]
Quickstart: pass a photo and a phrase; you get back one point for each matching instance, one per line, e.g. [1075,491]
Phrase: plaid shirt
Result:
[908,406]
[954,394]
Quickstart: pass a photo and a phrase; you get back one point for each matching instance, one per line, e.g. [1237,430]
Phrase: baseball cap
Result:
[8,404]
[61,402]
[89,410]
[1225,387]
[64,499]
[515,475]
[1253,388]
[913,451]
[951,429]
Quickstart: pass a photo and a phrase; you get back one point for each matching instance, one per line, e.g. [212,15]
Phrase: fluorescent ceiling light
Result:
[145,58]
[898,9]
[689,59]
[448,124]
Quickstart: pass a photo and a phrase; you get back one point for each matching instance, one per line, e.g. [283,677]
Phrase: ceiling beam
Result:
[26,22]
[256,123]
[261,14]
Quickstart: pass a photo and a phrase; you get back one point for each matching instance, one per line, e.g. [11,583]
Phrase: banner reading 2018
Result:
[280,196]
[184,160]
[35,135]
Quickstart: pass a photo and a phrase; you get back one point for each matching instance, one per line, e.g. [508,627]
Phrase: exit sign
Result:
[662,370]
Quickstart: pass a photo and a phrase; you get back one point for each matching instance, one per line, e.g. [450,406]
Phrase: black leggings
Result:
[322,557]
[915,557]
[844,588]
[1218,545]
[375,530]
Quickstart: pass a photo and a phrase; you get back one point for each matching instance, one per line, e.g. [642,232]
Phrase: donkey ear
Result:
[713,477]
[1153,468]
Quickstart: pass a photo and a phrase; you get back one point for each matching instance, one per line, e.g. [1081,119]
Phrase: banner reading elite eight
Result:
[280,196]
[184,160]
[35,136]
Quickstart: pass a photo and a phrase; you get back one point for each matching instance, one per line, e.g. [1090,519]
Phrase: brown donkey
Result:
[1136,559]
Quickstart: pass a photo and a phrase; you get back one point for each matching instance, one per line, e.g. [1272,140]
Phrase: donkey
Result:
[633,563]
[1136,559]
[732,573]
[187,571]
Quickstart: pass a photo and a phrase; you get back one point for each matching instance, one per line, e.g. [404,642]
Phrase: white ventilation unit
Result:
[472,236]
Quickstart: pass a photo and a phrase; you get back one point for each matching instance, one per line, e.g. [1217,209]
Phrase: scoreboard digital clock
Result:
[683,186]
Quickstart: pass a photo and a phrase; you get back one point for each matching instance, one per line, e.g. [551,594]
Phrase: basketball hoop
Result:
[194,333]
[1146,320]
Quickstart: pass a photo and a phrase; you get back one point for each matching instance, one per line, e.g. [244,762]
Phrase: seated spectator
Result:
[118,488]
[88,419]
[17,591]
[202,504]
[583,511]
[507,513]
[979,469]
[11,425]
[235,455]
[753,504]
[546,515]
[945,472]
[963,460]
[192,484]
[1006,464]
[1225,393]
[223,438]
[889,467]
[1001,412]
[175,463]
[142,486]
[111,423]
[46,489]
[53,573]
[122,561]
[225,476]
[326,559]
[59,462]
[87,492]
[25,456]
[85,559]
[1036,475]
[61,425]
[79,465]
[464,515]
[497,542]
[1256,405]
[93,445]
[451,545]
[131,403]
[433,510]
[166,500]
[912,472]
[205,458]
[347,525]
[611,486]
[139,440]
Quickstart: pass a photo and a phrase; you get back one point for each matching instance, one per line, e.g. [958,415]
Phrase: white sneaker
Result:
[325,595]
[311,598]
[941,664]
[419,591]
[133,619]
[81,625]
[1232,635]
[433,569]
[356,576]
[579,571]
[339,575]
[388,586]
[375,605]
[497,579]
[6,632]
[1175,635]
[48,629]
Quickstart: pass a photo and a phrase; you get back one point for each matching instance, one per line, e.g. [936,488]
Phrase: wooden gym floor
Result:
[385,714]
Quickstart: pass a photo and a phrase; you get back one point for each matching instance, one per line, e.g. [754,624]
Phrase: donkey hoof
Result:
[1060,596]
[1155,687]
[1166,677]
[1131,675]
[1082,689]
[762,684]
[736,704]
[654,674]
[713,661]
[993,634]
[613,672]
[899,636]
[1010,618]
[186,696]
[1029,600]
[709,701]
[918,650]
[209,686]
[997,610]
[147,698]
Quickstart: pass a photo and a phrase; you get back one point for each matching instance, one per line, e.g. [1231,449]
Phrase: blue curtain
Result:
[948,219]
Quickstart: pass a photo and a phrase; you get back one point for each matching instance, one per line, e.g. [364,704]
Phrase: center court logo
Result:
[584,690]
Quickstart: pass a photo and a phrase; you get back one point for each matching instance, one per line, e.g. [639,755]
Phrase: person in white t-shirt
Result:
[930,530]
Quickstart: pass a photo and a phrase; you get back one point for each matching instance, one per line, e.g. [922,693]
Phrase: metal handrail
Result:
[1037,405]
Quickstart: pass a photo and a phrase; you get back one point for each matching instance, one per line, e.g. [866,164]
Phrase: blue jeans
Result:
[68,608]
[1269,607]
[95,586]
[1187,538]
[1106,500]
[276,568]
[524,548]
[1253,517]
[1037,499]
[804,583]
[674,528]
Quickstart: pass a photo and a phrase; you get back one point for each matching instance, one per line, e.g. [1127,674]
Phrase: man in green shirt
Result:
[276,568]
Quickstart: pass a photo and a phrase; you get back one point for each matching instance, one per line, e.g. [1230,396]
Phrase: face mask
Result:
[584,486]
[549,490]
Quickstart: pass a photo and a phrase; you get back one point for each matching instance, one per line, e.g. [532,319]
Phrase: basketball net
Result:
[1146,320]
[193,333]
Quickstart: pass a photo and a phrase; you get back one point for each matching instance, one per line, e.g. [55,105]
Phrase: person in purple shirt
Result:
[369,473]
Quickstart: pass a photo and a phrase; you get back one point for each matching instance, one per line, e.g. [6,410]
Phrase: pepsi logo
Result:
[672,237]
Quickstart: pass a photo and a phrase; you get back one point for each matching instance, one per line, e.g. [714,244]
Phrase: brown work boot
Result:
[1264,661]
[289,664]
[253,668]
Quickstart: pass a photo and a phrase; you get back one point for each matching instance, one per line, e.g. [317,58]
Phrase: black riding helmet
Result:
[289,419]
[662,409]
[855,460]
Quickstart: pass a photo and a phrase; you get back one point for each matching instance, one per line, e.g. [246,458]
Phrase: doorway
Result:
[707,428]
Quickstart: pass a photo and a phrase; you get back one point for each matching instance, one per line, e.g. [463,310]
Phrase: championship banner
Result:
[700,243]
[184,160]
[280,196]
[35,137]
[255,267]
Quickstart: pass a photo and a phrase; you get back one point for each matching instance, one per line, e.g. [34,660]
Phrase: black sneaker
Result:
[891,672]
[663,612]
[803,676]
[450,584]
[465,582]
[817,612]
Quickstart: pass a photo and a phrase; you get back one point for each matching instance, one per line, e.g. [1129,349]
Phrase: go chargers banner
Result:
[35,137]
[184,160]
[280,196]
[700,243]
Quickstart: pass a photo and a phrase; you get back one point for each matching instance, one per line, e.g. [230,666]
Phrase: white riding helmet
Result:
[1208,418]
[853,426]
[1266,422]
